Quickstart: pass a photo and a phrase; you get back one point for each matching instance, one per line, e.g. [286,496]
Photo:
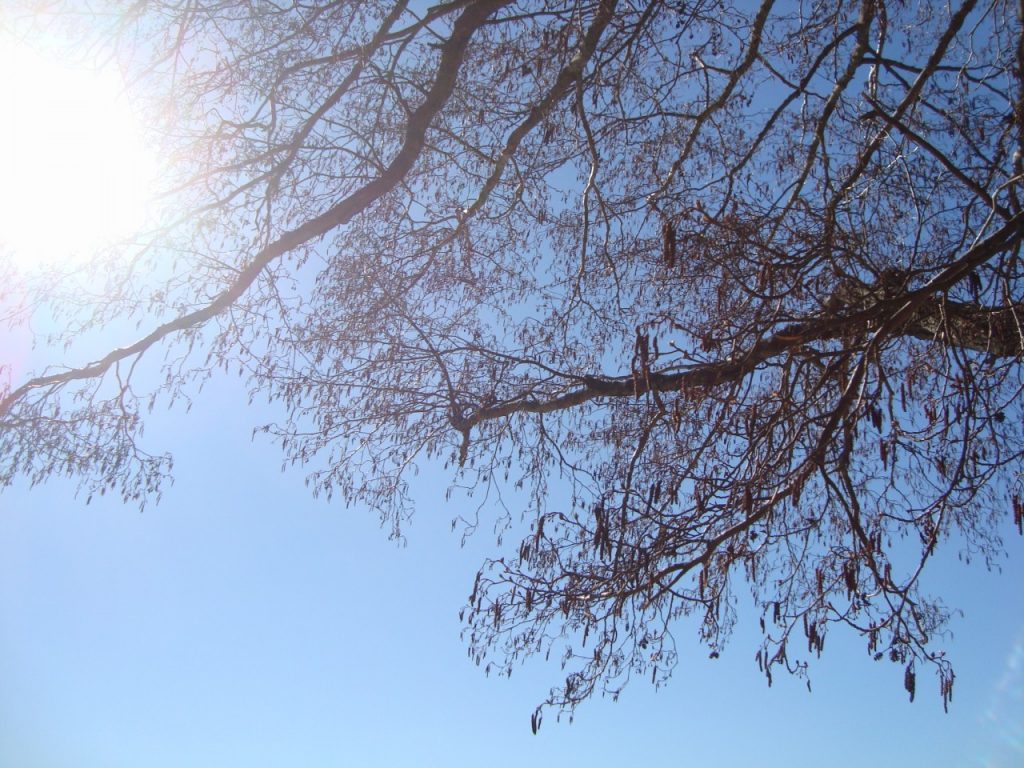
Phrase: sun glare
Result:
[75,172]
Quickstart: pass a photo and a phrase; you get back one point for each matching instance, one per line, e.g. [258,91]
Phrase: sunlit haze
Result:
[76,172]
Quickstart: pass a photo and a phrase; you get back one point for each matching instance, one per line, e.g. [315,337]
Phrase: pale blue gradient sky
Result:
[241,623]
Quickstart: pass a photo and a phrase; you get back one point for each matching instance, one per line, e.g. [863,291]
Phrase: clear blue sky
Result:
[241,623]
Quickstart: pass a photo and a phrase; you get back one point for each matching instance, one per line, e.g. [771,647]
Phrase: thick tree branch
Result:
[923,313]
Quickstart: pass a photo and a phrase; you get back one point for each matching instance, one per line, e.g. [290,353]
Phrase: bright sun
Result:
[75,173]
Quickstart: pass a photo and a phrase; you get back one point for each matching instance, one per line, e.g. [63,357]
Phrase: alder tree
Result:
[743,280]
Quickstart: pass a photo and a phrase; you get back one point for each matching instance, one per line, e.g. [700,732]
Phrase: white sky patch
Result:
[75,171]
[1004,718]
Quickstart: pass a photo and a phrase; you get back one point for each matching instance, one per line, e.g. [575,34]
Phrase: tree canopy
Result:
[744,278]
